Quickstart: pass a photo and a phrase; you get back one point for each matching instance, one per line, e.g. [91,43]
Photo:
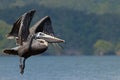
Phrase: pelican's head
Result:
[48,38]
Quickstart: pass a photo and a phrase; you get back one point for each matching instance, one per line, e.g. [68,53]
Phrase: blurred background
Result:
[89,27]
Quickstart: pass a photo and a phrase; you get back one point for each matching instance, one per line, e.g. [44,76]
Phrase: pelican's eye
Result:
[41,34]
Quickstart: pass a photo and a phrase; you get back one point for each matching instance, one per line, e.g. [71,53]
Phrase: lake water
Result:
[62,68]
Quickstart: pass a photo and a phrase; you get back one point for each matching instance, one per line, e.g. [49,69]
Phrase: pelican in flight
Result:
[31,41]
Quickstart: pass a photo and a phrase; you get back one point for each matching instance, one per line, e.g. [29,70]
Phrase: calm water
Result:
[62,68]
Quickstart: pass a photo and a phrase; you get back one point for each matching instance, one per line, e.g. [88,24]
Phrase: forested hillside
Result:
[89,27]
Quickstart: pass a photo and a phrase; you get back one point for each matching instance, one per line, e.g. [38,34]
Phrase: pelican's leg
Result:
[23,66]
[20,63]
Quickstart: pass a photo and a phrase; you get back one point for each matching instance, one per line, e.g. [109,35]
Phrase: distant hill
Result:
[82,23]
[89,6]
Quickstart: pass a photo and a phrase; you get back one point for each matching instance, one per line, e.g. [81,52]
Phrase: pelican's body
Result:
[31,42]
[37,47]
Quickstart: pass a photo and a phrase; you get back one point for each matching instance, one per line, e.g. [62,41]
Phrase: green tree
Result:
[117,48]
[4,29]
[101,47]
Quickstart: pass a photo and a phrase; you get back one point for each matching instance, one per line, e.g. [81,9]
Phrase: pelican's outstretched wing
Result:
[44,25]
[20,28]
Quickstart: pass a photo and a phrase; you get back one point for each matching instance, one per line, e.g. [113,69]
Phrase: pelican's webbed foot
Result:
[21,69]
[22,65]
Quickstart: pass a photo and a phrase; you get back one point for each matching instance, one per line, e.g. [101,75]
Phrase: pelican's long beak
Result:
[50,39]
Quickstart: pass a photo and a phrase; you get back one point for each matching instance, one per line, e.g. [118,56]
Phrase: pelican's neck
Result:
[31,40]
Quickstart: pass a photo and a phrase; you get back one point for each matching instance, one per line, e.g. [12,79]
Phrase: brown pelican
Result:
[31,42]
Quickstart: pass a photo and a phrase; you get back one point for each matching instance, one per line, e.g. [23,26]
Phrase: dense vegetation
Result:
[90,27]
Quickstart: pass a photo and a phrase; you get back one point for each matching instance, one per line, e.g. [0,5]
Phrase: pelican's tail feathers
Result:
[11,51]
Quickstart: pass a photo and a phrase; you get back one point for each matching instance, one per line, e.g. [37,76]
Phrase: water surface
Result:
[62,68]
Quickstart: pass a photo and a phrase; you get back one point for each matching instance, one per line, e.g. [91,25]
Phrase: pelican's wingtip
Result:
[32,10]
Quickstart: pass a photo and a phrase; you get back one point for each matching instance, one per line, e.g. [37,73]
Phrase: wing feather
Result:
[15,29]
[43,25]
[21,27]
